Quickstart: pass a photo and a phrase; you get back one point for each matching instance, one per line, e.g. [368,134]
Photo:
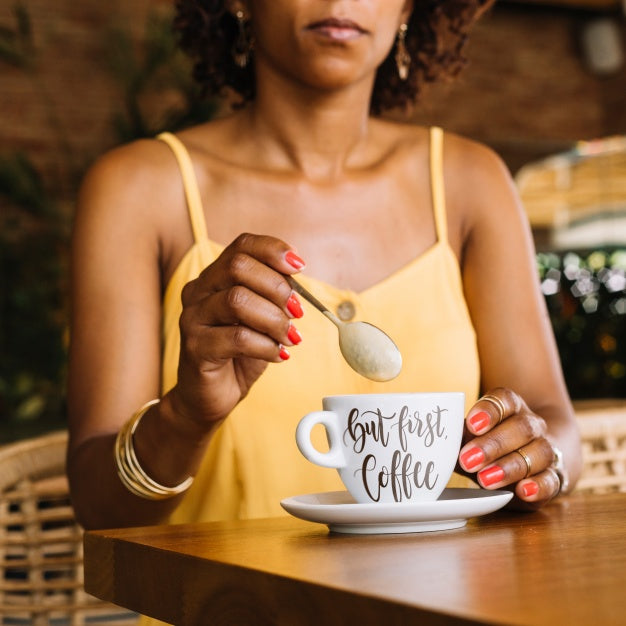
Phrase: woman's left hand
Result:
[506,446]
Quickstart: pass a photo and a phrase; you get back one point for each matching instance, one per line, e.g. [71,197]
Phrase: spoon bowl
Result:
[366,348]
[369,351]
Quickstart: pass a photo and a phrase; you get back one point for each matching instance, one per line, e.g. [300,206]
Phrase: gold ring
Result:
[529,465]
[497,403]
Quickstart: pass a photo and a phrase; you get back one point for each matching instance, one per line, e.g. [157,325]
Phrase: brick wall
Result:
[59,112]
[526,90]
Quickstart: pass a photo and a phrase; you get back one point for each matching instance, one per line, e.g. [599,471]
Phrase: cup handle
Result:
[334,457]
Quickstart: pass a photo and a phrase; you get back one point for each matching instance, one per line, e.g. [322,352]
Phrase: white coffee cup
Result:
[389,447]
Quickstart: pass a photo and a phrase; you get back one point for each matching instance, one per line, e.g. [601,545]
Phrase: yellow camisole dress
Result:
[252,462]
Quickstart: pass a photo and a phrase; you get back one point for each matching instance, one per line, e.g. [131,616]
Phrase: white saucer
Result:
[339,511]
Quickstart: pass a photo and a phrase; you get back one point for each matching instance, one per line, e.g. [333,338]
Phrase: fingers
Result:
[268,250]
[514,433]
[238,322]
[492,409]
[218,344]
[503,423]
[517,465]
[257,262]
[508,445]
[238,259]
[541,487]
[528,468]
[241,305]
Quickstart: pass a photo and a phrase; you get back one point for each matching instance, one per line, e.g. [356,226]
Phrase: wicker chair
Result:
[603,431]
[41,542]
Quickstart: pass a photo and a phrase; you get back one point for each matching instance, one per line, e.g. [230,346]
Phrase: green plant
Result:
[32,237]
[155,82]
[16,42]
[35,219]
[586,296]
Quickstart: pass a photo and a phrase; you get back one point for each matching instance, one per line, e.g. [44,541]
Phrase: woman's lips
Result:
[337,29]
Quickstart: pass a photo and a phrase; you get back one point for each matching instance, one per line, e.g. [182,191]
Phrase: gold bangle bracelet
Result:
[126,472]
[129,470]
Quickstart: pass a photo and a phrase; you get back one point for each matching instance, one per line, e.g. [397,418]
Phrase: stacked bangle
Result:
[132,475]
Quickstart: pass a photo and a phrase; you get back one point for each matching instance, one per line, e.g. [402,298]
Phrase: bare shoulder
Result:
[480,191]
[474,172]
[135,174]
[134,193]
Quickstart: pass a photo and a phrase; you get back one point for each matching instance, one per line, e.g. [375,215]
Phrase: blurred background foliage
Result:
[585,290]
[35,216]
[586,296]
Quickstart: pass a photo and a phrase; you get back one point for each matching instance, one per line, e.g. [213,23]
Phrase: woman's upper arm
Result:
[515,338]
[115,297]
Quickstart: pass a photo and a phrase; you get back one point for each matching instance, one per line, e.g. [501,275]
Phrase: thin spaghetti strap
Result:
[190,184]
[437,183]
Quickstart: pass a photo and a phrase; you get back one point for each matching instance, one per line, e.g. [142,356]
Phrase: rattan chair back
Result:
[41,550]
[603,432]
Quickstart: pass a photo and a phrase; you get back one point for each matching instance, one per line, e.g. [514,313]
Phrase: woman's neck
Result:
[318,134]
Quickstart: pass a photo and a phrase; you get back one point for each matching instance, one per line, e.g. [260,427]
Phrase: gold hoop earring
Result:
[243,44]
[403,59]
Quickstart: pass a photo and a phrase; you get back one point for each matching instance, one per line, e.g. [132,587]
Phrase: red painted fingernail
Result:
[294,260]
[293,306]
[472,458]
[283,354]
[530,489]
[294,336]
[491,475]
[479,421]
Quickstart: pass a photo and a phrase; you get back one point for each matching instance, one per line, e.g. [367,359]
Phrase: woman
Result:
[419,233]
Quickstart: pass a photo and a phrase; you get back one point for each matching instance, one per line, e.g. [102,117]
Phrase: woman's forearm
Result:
[167,452]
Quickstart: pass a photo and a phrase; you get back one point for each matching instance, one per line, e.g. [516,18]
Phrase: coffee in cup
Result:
[389,447]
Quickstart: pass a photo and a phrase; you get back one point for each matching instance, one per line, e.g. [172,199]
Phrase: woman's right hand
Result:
[237,317]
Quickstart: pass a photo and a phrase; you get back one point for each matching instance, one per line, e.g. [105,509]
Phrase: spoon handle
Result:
[298,288]
[307,295]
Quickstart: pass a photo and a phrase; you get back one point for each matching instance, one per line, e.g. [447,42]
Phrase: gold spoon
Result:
[367,349]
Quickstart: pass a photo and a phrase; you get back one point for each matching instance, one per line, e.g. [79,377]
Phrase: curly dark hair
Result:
[437,33]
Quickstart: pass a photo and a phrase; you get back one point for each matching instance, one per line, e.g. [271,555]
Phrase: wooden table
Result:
[563,566]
